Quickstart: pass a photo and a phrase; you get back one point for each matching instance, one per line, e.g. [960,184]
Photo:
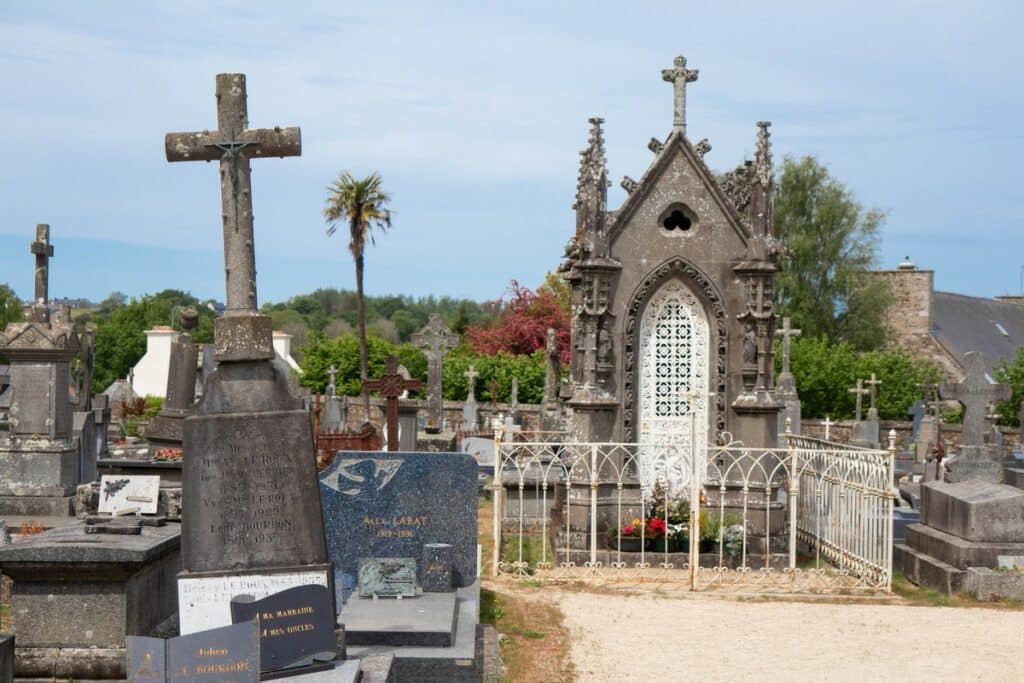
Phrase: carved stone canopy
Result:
[43,341]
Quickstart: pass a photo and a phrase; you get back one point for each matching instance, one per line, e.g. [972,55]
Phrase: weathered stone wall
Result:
[908,321]
[354,415]
[840,433]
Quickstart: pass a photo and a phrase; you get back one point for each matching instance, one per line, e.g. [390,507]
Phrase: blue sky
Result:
[474,112]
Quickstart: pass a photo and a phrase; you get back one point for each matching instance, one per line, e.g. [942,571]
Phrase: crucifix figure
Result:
[471,376]
[786,333]
[43,250]
[679,76]
[234,144]
[873,385]
[975,393]
[332,387]
[435,339]
[860,391]
[391,385]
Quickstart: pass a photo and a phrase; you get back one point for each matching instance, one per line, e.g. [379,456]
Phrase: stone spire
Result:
[679,76]
[592,194]
[763,182]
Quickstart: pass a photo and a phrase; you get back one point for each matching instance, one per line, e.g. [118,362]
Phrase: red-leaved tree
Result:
[522,326]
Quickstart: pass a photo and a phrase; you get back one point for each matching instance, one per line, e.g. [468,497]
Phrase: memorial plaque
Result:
[296,626]
[388,505]
[387,577]
[230,654]
[125,492]
[246,518]
[31,405]
[436,575]
[207,599]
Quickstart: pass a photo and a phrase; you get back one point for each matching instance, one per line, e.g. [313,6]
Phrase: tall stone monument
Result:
[976,459]
[167,429]
[435,340]
[786,386]
[252,521]
[40,465]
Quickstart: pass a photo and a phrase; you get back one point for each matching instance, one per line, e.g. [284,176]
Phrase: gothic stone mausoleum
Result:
[672,320]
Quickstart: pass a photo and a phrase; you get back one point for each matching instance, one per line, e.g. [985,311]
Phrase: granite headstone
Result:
[296,626]
[389,505]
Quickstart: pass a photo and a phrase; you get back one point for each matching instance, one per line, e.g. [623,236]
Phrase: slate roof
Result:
[967,323]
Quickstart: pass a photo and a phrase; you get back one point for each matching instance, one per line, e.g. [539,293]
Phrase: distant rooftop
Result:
[968,323]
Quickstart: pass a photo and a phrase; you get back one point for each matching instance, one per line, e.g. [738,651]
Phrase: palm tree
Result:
[364,205]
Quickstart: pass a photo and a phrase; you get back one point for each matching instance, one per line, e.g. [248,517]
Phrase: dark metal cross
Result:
[391,385]
[43,250]
[679,76]
[233,144]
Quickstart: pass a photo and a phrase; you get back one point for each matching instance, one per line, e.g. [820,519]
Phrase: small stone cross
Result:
[873,385]
[471,376]
[786,333]
[43,250]
[860,391]
[233,144]
[975,393]
[515,393]
[679,76]
[332,387]
[391,385]
[828,427]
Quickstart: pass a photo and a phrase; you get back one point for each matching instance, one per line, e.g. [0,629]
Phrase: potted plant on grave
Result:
[725,527]
[674,510]
[631,538]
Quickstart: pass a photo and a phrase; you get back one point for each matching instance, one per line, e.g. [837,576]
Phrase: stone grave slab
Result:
[207,599]
[388,505]
[974,510]
[296,626]
[426,621]
[118,493]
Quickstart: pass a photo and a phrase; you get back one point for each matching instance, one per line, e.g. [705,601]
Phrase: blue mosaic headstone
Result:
[389,505]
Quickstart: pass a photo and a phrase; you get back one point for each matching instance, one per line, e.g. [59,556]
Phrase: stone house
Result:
[941,327]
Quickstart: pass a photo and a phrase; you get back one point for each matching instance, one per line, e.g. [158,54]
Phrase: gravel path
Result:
[702,638]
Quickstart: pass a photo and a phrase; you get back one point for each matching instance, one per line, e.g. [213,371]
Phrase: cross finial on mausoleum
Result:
[679,76]
[43,250]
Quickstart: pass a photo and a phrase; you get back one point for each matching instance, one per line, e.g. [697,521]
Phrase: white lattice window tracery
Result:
[673,378]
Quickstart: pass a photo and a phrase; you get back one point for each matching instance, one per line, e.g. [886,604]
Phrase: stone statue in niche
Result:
[604,345]
[749,347]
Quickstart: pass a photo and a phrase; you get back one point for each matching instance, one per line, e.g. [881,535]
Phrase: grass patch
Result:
[927,597]
[534,641]
[6,626]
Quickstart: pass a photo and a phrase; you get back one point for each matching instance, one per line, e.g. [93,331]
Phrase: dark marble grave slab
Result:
[296,626]
[228,653]
[392,504]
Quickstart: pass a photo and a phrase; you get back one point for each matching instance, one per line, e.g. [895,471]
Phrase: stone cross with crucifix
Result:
[860,392]
[974,393]
[435,340]
[391,385]
[873,385]
[43,250]
[679,76]
[241,333]
[332,386]
[471,375]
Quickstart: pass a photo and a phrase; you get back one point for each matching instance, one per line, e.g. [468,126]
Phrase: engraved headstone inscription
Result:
[230,654]
[296,627]
[388,505]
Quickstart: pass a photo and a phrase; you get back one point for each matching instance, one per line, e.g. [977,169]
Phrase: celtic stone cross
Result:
[975,393]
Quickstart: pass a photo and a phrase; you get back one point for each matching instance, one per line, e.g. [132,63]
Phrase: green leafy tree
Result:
[833,242]
[363,204]
[10,307]
[1011,372]
[824,372]
[344,353]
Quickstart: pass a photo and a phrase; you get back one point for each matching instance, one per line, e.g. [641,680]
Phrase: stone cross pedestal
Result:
[435,340]
[166,431]
[786,385]
[40,465]
[976,459]
[470,415]
[251,496]
[391,385]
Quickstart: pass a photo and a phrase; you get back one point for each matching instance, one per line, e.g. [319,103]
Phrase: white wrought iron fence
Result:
[812,517]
